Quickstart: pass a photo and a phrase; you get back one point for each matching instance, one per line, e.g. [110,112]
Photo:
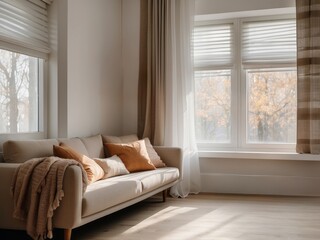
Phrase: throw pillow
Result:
[112,166]
[93,170]
[134,155]
[116,139]
[153,155]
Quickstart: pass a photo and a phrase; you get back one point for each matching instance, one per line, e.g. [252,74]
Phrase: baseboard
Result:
[261,184]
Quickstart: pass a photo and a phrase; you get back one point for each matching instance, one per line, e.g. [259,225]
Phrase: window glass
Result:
[271,110]
[213,105]
[19,93]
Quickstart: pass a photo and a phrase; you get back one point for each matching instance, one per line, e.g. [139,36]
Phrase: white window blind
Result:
[24,27]
[269,42]
[213,46]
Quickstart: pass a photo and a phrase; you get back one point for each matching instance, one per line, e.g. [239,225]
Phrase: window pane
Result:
[271,112]
[18,92]
[213,106]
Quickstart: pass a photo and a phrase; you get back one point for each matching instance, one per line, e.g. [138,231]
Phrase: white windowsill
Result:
[259,155]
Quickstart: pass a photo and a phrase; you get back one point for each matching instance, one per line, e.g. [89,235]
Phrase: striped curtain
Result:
[308,68]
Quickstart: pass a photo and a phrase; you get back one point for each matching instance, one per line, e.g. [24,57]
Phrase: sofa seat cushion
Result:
[109,192]
[151,180]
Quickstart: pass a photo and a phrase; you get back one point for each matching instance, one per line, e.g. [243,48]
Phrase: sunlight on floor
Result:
[162,216]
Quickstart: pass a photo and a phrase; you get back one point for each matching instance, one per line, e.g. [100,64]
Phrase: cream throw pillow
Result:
[112,166]
[153,155]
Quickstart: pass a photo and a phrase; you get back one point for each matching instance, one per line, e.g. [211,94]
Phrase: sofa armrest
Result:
[67,215]
[172,156]
[7,171]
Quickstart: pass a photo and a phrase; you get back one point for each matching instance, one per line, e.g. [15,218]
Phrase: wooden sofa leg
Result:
[164,195]
[67,234]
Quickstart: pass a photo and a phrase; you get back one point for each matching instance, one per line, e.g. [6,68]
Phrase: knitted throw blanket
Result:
[37,191]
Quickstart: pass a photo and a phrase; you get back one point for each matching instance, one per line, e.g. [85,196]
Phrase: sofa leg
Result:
[67,234]
[164,195]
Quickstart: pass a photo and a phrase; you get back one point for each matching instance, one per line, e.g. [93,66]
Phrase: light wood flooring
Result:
[205,216]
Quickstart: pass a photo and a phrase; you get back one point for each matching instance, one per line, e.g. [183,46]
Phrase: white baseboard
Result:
[260,184]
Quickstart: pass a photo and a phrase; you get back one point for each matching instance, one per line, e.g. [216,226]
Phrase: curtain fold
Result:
[308,69]
[166,100]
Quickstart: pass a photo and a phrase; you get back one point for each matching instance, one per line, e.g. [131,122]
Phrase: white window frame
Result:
[238,142]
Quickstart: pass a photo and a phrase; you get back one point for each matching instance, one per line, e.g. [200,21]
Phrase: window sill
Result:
[259,155]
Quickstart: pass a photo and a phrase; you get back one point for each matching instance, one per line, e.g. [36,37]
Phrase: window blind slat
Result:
[268,42]
[213,45]
[24,23]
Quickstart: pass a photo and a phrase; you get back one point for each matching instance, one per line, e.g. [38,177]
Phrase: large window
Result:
[245,84]
[24,47]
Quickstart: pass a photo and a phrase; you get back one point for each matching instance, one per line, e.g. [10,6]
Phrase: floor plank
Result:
[206,216]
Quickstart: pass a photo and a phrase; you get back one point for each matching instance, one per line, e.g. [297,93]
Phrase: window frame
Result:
[238,139]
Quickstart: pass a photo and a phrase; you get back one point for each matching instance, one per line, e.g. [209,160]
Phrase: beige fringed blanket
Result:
[37,191]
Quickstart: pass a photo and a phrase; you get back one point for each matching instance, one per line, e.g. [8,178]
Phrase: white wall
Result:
[94,67]
[86,84]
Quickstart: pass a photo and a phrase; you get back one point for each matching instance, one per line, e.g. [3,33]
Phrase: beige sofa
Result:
[101,198]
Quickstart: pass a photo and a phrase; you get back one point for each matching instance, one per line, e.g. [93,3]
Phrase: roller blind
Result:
[24,27]
[269,42]
[213,46]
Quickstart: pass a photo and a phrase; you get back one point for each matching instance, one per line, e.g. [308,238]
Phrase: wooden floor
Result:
[205,216]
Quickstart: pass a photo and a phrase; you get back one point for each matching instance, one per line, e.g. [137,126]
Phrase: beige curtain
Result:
[308,67]
[152,70]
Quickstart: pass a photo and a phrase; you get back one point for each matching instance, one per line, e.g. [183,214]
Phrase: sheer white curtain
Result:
[165,113]
[179,93]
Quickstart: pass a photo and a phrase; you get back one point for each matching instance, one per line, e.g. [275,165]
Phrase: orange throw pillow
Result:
[134,155]
[93,170]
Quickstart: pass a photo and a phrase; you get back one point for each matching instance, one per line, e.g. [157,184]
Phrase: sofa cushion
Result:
[21,151]
[115,139]
[153,155]
[151,180]
[93,170]
[120,139]
[134,155]
[76,144]
[94,146]
[112,166]
[109,192]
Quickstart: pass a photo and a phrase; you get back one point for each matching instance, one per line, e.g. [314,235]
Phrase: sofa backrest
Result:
[94,146]
[21,151]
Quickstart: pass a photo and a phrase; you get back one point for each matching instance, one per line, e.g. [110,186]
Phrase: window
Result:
[19,92]
[24,46]
[245,84]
